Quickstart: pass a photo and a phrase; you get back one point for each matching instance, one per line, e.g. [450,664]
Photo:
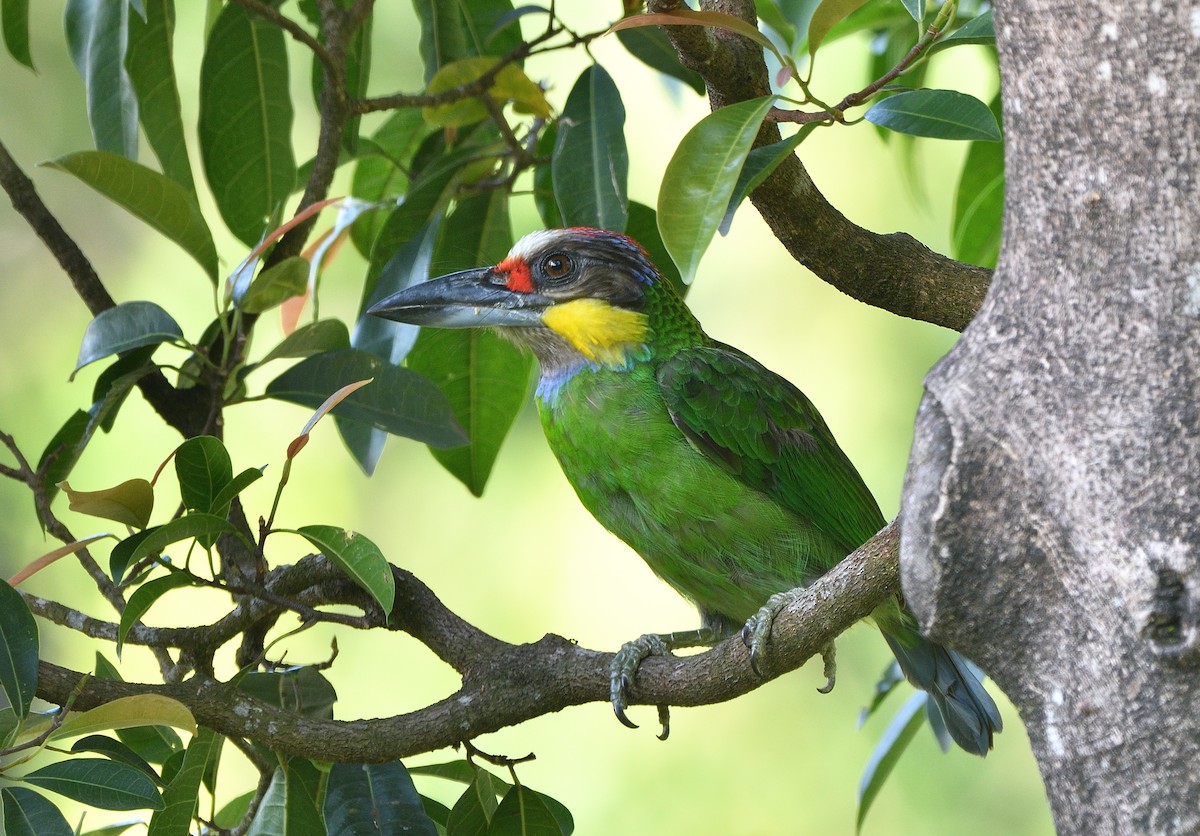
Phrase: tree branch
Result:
[507,684]
[894,272]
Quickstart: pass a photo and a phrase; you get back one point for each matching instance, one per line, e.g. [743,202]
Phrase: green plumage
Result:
[729,495]
[718,472]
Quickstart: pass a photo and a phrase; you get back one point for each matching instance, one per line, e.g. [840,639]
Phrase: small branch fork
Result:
[837,113]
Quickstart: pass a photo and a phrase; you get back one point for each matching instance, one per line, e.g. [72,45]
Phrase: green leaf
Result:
[289,807]
[826,15]
[66,446]
[111,388]
[891,746]
[591,163]
[399,401]
[171,766]
[915,9]
[978,30]
[760,163]
[130,502]
[314,338]
[26,813]
[489,26]
[127,326]
[770,14]
[154,540]
[471,815]
[246,120]
[566,822]
[303,690]
[941,114]
[277,284]
[522,812]
[457,770]
[979,203]
[152,70]
[143,598]
[358,557]
[233,812]
[133,712]
[181,797]
[117,751]
[509,85]
[113,385]
[96,39]
[14,19]
[437,811]
[443,36]
[374,798]
[700,178]
[871,18]
[99,782]
[203,467]
[650,45]
[18,661]
[236,485]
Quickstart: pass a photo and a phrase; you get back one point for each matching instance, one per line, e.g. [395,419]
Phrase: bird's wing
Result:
[764,431]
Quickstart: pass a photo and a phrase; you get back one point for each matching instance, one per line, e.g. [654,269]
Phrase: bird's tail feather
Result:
[967,709]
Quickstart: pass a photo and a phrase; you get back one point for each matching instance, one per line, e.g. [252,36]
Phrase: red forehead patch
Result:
[519,278]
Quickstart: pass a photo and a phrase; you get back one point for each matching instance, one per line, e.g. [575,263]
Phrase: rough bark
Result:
[1050,522]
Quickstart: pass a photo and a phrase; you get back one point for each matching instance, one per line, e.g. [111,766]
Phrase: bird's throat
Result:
[601,333]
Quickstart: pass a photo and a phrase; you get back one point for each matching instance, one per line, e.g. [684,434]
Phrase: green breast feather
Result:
[718,472]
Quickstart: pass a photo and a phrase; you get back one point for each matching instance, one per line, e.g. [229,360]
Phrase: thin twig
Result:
[838,111]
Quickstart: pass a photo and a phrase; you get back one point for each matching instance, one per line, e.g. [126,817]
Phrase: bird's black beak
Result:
[476,298]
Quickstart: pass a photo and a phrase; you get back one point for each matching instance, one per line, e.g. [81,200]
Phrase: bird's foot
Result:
[624,666]
[757,633]
[829,658]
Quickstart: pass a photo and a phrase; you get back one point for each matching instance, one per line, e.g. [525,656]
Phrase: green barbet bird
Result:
[718,472]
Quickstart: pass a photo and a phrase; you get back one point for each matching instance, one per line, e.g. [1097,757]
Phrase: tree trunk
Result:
[1051,520]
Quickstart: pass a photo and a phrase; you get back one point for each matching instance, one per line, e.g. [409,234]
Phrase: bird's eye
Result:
[557,266]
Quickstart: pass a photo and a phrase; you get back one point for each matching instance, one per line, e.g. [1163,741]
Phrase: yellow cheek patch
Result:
[601,333]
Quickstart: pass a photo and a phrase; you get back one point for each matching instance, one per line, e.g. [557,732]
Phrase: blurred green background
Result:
[527,559]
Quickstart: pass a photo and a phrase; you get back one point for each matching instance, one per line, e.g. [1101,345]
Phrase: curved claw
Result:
[619,710]
[754,654]
[664,719]
[618,693]
[830,660]
[754,637]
